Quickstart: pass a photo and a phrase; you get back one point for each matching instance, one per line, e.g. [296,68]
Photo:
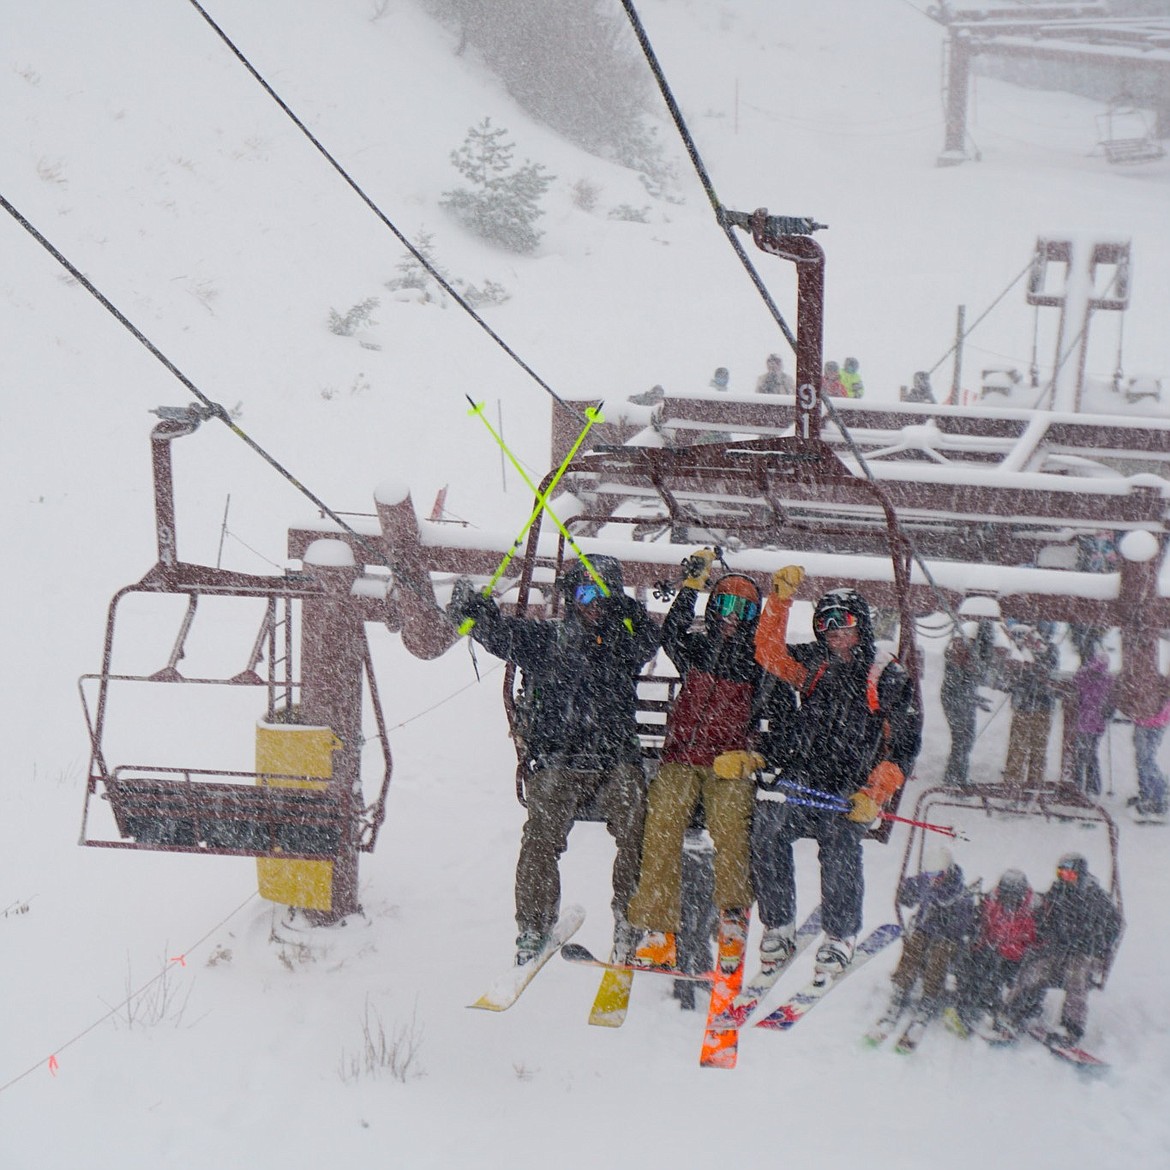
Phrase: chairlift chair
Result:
[1125,135]
[751,496]
[299,812]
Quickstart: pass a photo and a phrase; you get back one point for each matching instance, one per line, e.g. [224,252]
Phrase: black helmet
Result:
[1012,889]
[609,569]
[841,609]
[1072,864]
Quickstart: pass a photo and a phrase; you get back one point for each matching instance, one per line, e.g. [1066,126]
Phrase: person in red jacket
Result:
[706,755]
[1007,932]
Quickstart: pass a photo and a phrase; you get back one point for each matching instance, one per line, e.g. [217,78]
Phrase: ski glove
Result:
[466,601]
[737,765]
[698,567]
[863,808]
[786,581]
[866,804]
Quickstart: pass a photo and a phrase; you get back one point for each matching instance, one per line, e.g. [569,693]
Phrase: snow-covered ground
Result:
[145,153]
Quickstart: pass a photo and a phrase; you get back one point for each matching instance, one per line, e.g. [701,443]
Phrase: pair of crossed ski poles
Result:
[796,793]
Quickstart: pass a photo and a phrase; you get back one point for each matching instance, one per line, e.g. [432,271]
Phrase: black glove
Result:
[466,601]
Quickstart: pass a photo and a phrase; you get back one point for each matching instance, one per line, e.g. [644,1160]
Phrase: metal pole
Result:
[957,372]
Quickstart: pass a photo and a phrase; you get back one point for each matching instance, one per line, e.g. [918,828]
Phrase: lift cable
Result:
[430,268]
[701,170]
[725,223]
[971,329]
[213,409]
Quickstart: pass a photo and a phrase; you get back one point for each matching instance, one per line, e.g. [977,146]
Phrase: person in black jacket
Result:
[1077,930]
[942,925]
[850,745]
[580,733]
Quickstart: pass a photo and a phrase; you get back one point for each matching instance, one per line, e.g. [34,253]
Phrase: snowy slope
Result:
[147,155]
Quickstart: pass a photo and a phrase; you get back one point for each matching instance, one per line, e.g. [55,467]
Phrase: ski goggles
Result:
[1066,873]
[834,618]
[729,605]
[587,594]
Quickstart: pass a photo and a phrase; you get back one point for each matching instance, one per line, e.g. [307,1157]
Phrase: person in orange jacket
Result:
[835,762]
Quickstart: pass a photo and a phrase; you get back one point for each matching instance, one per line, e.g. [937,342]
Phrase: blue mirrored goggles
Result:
[835,618]
[587,594]
[729,605]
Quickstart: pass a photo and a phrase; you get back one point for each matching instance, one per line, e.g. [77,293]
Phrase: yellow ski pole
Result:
[592,416]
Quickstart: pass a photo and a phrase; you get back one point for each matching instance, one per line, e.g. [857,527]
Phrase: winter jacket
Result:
[714,709]
[946,908]
[1159,719]
[580,682]
[1032,680]
[1078,919]
[1094,692]
[847,722]
[1010,933]
[965,666]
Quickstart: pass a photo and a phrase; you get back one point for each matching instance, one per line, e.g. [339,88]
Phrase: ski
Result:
[576,953]
[758,987]
[506,989]
[612,1000]
[884,1027]
[788,1014]
[912,1036]
[721,1045]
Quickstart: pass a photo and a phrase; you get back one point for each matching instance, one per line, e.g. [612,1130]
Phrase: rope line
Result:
[178,960]
[438,277]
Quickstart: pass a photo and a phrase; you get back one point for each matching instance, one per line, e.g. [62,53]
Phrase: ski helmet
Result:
[609,569]
[742,596]
[842,609]
[1071,868]
[1012,889]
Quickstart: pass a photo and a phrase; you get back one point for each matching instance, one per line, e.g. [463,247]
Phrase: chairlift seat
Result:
[159,811]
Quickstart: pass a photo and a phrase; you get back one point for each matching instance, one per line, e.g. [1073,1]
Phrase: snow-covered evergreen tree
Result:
[502,202]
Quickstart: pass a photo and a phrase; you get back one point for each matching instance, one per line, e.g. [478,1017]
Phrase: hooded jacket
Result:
[1010,933]
[845,725]
[580,681]
[1078,918]
[946,908]
[715,708]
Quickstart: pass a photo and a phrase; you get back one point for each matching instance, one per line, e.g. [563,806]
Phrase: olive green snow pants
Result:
[728,804]
[555,798]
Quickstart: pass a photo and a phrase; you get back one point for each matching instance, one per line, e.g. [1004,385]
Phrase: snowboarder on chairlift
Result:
[1077,930]
[1005,936]
[580,734]
[706,755]
[853,740]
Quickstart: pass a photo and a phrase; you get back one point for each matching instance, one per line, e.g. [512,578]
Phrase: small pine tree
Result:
[503,203]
